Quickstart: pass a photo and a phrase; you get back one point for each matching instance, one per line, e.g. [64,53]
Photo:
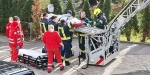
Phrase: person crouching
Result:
[52,41]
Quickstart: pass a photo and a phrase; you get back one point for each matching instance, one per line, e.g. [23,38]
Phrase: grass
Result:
[44,3]
[134,38]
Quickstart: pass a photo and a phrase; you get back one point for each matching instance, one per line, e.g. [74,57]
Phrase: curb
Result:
[145,43]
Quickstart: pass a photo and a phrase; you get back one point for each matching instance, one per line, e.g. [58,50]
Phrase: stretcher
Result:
[33,58]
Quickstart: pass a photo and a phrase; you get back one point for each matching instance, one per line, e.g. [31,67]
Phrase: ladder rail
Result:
[128,14]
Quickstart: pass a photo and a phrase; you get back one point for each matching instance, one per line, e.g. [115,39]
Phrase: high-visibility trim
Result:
[67,59]
[101,21]
[63,33]
[94,23]
[83,51]
[71,48]
[67,38]
[99,61]
[58,22]
[82,34]
[11,39]
[71,30]
[42,25]
[80,39]
[11,42]
[49,64]
[18,41]
[59,63]
[69,25]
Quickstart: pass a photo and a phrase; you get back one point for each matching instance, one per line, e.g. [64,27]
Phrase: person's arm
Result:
[43,39]
[59,39]
[7,30]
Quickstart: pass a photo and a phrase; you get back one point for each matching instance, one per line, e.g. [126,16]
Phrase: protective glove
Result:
[8,39]
[62,48]
[17,47]
[44,48]
[90,22]
[84,23]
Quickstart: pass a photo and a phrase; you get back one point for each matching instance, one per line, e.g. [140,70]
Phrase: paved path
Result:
[132,60]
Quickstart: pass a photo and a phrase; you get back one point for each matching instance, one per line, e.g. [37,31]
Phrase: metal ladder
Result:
[130,10]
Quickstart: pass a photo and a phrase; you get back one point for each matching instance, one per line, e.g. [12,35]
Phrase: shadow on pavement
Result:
[139,72]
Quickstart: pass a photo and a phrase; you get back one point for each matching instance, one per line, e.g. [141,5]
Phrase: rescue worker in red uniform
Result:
[52,41]
[63,29]
[8,26]
[15,39]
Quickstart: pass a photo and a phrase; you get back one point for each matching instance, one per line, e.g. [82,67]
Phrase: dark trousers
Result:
[66,52]
[82,44]
[71,35]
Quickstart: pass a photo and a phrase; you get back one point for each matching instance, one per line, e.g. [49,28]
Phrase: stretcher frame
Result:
[33,58]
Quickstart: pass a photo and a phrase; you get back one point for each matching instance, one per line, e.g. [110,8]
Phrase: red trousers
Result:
[51,53]
[14,54]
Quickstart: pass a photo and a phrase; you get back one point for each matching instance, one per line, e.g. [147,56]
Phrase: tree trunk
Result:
[81,5]
[128,35]
[93,2]
[143,37]
[128,38]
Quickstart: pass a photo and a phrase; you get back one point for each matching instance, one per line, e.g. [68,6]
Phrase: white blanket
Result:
[32,53]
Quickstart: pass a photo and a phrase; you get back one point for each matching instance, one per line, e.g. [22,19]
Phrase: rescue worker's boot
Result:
[49,68]
[82,56]
[61,66]
[54,60]
[72,53]
[67,63]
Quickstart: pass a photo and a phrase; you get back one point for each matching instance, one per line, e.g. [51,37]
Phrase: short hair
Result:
[15,18]
[10,18]
[44,14]
[62,21]
[69,11]
[50,27]
[82,12]
[53,17]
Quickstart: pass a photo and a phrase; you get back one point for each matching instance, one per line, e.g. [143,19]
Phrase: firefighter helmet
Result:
[97,11]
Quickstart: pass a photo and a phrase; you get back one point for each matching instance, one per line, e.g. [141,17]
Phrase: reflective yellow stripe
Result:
[101,21]
[69,25]
[58,22]
[77,34]
[94,23]
[64,36]
[71,48]
[82,34]
[83,51]
[67,59]
[67,38]
[71,30]
[80,39]
[42,25]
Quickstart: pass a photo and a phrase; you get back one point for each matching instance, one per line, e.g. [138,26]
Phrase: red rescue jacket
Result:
[15,38]
[8,26]
[51,39]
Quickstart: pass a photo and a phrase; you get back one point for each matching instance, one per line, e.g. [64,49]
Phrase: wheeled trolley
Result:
[33,58]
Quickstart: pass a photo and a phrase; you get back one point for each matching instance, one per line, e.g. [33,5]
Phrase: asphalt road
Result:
[133,59]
